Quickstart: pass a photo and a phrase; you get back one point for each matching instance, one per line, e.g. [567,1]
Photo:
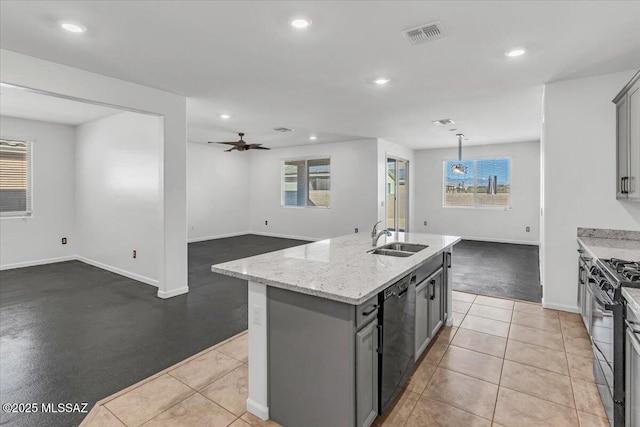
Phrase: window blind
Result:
[15,178]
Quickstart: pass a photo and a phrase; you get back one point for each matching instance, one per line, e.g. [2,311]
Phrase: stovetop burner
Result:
[627,272]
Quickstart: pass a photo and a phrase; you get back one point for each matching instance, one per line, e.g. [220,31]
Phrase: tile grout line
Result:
[111,412]
[495,406]
[449,404]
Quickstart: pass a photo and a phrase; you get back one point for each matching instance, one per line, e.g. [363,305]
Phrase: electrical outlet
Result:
[382,203]
[425,223]
[135,253]
[64,240]
[528,229]
[266,222]
[356,230]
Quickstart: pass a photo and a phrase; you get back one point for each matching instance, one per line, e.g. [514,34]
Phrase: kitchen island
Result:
[313,323]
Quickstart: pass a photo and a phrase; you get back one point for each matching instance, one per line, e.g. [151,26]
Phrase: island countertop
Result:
[340,268]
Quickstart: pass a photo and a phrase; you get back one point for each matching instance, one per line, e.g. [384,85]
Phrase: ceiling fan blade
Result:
[256,147]
[225,142]
[231,149]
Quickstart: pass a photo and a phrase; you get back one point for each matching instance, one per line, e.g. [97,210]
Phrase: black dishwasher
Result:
[397,341]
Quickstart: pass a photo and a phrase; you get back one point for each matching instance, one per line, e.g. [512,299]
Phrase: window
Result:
[485,184]
[307,183]
[15,178]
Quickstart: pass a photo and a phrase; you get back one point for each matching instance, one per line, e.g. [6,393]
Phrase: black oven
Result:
[602,336]
[606,327]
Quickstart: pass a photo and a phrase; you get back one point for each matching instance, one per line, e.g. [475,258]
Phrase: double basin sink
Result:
[398,249]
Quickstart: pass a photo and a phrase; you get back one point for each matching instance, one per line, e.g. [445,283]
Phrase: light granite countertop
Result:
[632,296]
[604,248]
[622,244]
[339,269]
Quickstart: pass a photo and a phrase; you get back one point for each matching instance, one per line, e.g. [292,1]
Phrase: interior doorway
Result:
[397,194]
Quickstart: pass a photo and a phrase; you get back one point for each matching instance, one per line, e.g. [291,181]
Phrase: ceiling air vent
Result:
[424,33]
[283,129]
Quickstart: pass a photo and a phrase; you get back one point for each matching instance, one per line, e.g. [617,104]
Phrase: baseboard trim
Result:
[218,236]
[286,236]
[38,262]
[173,293]
[512,241]
[258,410]
[119,271]
[561,307]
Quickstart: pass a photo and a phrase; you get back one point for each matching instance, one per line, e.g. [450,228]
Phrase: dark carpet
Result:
[497,269]
[70,332]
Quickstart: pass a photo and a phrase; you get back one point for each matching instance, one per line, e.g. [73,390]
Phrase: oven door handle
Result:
[601,299]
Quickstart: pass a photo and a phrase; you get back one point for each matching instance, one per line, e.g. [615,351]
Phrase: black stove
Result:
[620,272]
[605,280]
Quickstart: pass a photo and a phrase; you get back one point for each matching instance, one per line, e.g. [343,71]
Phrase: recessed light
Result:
[225,116]
[443,122]
[313,137]
[72,27]
[300,23]
[382,81]
[518,51]
[453,130]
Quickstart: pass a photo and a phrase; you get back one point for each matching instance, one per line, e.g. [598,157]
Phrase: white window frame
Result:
[306,179]
[475,180]
[28,213]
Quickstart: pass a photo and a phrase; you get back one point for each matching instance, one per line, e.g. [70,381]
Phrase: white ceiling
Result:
[29,105]
[242,58]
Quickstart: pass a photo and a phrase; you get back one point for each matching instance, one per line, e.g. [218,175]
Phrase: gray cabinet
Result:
[367,374]
[628,140]
[422,318]
[435,302]
[431,303]
[632,379]
[322,360]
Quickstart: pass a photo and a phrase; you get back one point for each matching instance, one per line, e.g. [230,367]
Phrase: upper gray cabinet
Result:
[628,140]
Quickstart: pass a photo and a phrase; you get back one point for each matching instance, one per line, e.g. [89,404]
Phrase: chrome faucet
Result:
[375,234]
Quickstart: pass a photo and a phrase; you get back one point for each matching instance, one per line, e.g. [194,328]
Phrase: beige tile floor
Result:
[503,363]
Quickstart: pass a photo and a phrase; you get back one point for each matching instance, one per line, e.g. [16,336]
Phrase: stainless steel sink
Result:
[404,247]
[390,252]
[398,249]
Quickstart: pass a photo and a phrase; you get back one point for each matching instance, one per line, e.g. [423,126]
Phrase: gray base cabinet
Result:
[322,361]
[367,374]
[431,302]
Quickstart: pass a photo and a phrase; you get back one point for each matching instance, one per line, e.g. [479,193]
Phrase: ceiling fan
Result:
[241,145]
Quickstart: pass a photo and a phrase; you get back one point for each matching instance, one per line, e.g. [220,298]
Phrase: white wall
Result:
[217,192]
[482,224]
[353,191]
[118,207]
[579,150]
[35,73]
[390,149]
[37,239]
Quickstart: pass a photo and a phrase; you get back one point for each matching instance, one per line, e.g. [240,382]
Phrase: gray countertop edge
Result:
[595,246]
[327,295]
[632,296]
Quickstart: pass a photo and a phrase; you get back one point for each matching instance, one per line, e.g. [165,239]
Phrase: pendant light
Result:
[459,168]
